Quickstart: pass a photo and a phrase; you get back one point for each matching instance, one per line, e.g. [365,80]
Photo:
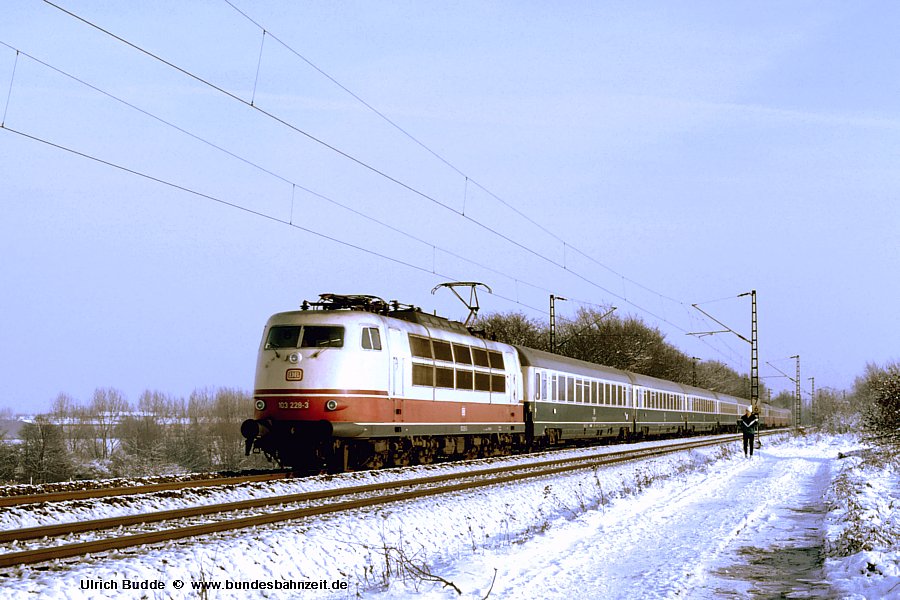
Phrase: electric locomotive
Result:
[355,382]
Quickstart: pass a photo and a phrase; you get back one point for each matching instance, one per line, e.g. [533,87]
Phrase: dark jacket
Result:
[748,424]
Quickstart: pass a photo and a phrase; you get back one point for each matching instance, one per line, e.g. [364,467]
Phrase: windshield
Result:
[310,336]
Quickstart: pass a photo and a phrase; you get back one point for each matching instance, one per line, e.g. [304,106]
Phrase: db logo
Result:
[293,375]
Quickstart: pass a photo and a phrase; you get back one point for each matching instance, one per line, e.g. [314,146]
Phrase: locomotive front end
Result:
[317,375]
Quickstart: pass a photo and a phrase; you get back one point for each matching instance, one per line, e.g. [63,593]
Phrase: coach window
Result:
[371,338]
[544,386]
[570,389]
[442,350]
[462,354]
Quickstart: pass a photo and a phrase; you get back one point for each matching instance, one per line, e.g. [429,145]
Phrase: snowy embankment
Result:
[676,526]
[863,539]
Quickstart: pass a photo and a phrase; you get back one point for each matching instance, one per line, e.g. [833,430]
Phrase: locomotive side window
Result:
[464,380]
[443,377]
[463,354]
[322,336]
[283,336]
[482,382]
[480,357]
[422,375]
[420,346]
[498,383]
[371,338]
[442,350]
[496,359]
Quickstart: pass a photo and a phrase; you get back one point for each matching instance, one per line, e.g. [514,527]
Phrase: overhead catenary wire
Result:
[229,204]
[349,156]
[294,185]
[484,226]
[323,143]
[424,146]
[253,212]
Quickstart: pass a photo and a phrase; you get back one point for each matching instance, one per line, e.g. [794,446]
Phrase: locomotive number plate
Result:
[295,404]
[294,375]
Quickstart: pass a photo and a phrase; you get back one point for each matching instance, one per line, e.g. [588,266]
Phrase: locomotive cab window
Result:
[322,336]
[309,336]
[283,336]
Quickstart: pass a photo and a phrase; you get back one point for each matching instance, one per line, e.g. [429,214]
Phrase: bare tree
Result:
[229,410]
[515,328]
[107,408]
[9,459]
[877,395]
[72,418]
[44,456]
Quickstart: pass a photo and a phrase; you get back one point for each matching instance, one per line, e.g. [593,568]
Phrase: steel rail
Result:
[135,490]
[526,471]
[28,533]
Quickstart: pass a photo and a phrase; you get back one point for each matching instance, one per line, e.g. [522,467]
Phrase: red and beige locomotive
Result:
[354,382]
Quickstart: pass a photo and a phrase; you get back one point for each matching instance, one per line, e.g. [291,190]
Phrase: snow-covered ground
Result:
[699,524]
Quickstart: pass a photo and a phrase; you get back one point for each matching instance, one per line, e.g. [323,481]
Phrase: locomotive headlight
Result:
[295,357]
[260,405]
[331,405]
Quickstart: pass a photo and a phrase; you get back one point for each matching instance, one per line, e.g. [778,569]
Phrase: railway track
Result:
[134,490]
[317,503]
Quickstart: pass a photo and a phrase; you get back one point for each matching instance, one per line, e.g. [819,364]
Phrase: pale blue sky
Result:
[699,149]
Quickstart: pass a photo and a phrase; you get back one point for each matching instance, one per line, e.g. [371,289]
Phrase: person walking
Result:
[748,424]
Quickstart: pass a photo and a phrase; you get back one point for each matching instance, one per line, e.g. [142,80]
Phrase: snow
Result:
[698,524]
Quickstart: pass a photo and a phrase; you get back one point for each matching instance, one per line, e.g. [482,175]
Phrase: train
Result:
[352,382]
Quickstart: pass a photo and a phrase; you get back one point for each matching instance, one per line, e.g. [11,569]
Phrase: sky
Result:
[165,190]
